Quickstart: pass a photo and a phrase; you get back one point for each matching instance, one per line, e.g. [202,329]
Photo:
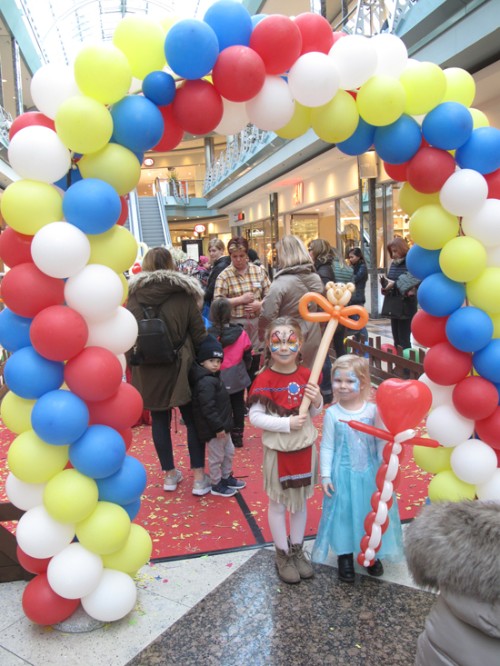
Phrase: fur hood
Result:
[455,547]
[166,282]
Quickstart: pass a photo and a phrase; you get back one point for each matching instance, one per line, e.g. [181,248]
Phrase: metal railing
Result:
[172,190]
[5,125]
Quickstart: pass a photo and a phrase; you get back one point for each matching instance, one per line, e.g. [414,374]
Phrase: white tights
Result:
[276,515]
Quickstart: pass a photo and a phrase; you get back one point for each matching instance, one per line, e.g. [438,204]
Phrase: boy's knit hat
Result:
[209,348]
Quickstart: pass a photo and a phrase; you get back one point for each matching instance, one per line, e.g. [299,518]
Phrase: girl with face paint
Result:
[288,438]
[349,461]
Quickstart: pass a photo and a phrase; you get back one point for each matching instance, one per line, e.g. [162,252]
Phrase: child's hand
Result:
[312,392]
[297,421]
[221,435]
[327,486]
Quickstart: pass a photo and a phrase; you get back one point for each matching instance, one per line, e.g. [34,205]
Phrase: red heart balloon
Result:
[402,404]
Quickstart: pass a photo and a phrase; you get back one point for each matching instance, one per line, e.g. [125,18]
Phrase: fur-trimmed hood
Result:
[156,286]
[455,547]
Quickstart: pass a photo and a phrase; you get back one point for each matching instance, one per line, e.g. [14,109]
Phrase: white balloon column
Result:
[79,156]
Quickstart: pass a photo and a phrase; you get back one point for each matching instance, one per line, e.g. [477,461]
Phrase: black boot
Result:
[346,568]
[376,569]
[237,437]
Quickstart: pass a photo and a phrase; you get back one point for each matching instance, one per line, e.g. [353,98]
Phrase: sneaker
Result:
[202,486]
[223,490]
[231,482]
[171,480]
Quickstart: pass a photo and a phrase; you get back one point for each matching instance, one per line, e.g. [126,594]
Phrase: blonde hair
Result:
[359,366]
[321,251]
[158,258]
[291,251]
[280,321]
[217,243]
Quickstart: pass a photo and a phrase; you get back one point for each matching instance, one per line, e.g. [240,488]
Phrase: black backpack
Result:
[153,344]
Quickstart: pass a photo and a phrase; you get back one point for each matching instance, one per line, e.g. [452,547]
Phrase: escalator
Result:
[147,220]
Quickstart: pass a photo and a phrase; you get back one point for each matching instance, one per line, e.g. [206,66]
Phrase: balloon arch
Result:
[79,156]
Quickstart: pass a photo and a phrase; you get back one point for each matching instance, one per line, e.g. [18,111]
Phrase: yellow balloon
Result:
[114,164]
[16,412]
[424,84]
[134,554]
[83,124]
[460,86]
[298,125]
[141,39]
[70,496]
[410,199]
[337,120]
[28,205]
[381,100]
[433,460]
[432,226]
[106,530]
[103,73]
[446,487]
[484,291]
[463,258]
[34,461]
[495,318]
[116,248]
[479,119]
[124,282]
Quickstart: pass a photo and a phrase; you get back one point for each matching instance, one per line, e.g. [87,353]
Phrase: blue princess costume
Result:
[351,459]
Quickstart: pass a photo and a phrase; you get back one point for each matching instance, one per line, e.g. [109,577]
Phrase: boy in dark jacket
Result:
[213,416]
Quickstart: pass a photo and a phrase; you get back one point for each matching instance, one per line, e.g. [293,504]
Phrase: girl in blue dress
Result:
[349,461]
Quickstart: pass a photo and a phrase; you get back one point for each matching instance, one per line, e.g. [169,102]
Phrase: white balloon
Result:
[234,118]
[464,193]
[313,79]
[113,598]
[74,572]
[387,490]
[375,537]
[441,395]
[116,333]
[51,85]
[392,55]
[381,515]
[447,426]
[356,60]
[474,461]
[39,535]
[37,153]
[123,361]
[370,554]
[273,106]
[484,224]
[23,495]
[95,292]
[493,257]
[490,491]
[60,249]
[392,468]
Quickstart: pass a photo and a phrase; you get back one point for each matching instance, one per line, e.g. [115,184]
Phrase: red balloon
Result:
[27,291]
[172,132]
[493,180]
[427,329]
[278,41]
[397,171]
[386,347]
[30,118]
[198,107]
[369,520]
[429,169]
[488,429]
[238,73]
[34,565]
[120,411]
[402,404]
[94,374]
[43,606]
[446,365]
[59,333]
[136,268]
[376,499]
[127,434]
[15,248]
[380,478]
[123,213]
[316,32]
[475,398]
[338,35]
[361,559]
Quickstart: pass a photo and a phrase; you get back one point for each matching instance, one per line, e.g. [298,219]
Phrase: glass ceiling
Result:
[60,27]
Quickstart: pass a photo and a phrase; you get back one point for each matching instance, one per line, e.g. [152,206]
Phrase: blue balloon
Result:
[487,361]
[132,509]
[59,417]
[448,125]
[124,486]
[421,263]
[92,205]
[191,48]
[99,452]
[360,141]
[159,87]
[231,22]
[481,151]
[30,375]
[439,296]
[72,177]
[469,329]
[137,123]
[398,142]
[14,330]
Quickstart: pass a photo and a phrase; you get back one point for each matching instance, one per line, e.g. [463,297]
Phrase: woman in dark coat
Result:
[177,299]
[360,278]
[220,261]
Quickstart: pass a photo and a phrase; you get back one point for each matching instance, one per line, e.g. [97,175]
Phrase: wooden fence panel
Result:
[385,364]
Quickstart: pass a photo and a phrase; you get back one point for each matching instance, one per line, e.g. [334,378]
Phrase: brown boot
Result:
[301,560]
[285,564]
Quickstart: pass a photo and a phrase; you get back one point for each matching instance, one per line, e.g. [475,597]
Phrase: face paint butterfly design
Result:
[280,338]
